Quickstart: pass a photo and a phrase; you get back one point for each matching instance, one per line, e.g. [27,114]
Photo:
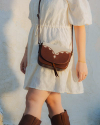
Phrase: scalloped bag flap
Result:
[55,53]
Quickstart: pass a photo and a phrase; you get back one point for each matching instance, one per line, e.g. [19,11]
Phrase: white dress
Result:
[56,19]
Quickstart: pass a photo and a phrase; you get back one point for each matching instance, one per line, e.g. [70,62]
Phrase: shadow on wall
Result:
[8,78]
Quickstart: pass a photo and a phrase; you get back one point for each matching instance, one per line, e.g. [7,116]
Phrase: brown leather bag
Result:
[52,56]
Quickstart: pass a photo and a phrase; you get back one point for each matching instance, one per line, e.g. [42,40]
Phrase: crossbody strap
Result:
[38,15]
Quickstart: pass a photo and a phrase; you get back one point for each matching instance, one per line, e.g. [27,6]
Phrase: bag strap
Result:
[38,15]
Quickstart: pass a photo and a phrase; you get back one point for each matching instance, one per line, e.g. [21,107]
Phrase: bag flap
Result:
[55,53]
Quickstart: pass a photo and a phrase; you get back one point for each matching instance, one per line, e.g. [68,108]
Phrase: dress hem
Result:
[81,92]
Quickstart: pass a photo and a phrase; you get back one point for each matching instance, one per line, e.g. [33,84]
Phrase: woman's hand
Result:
[23,63]
[81,71]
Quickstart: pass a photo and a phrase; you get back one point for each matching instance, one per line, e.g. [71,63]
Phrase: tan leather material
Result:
[53,56]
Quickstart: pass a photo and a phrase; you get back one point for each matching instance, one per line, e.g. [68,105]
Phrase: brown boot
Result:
[60,119]
[28,119]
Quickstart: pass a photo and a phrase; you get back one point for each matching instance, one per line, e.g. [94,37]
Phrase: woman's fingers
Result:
[80,76]
[22,67]
[23,64]
[84,75]
[77,73]
[81,71]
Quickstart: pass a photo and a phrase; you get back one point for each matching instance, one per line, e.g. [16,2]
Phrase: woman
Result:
[56,19]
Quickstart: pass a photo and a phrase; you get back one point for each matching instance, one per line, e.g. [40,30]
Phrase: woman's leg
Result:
[54,105]
[57,115]
[34,101]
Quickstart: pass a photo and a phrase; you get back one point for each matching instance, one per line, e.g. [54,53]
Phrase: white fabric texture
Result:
[56,19]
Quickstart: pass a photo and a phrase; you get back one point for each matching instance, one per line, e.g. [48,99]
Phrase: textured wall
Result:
[83,109]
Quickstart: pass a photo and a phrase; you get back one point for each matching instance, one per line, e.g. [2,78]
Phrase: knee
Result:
[32,100]
[53,100]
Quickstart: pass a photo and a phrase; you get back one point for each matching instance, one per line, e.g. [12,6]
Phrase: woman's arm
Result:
[81,67]
[80,35]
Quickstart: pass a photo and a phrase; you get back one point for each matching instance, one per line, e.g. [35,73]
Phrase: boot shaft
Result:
[28,119]
[60,119]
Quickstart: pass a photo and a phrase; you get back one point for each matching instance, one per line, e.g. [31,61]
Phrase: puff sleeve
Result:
[79,12]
